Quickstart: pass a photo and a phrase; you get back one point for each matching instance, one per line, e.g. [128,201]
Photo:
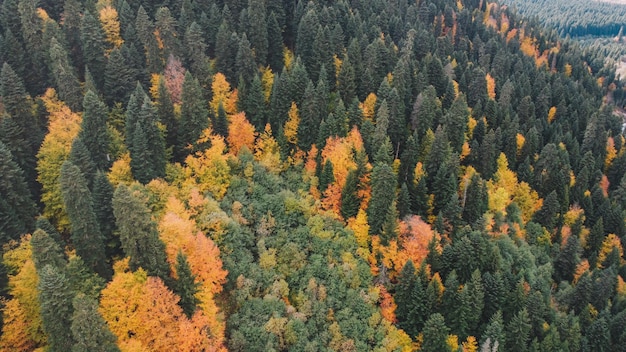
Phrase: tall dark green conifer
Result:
[46,251]
[55,299]
[185,285]
[92,37]
[17,209]
[94,132]
[119,79]
[86,235]
[65,78]
[80,156]
[138,234]
[89,330]
[194,116]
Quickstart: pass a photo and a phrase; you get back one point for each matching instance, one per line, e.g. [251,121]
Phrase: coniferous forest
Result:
[279,175]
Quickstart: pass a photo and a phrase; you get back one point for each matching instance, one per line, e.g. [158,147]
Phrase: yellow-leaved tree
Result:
[207,169]
[63,127]
[22,329]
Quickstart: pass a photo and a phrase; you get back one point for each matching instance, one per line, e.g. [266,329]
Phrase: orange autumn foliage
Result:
[491,87]
[387,305]
[240,133]
[340,151]
[144,315]
[415,234]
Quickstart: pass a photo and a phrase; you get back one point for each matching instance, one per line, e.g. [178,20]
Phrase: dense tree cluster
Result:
[576,18]
[274,175]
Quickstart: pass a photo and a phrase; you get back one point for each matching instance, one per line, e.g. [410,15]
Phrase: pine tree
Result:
[103,207]
[220,126]
[94,131]
[46,251]
[118,78]
[80,156]
[258,30]
[350,201]
[89,330]
[275,43]
[252,102]
[185,285]
[19,106]
[245,66]
[383,195]
[92,38]
[166,115]
[435,334]
[55,298]
[193,116]
[64,76]
[17,210]
[86,235]
[138,234]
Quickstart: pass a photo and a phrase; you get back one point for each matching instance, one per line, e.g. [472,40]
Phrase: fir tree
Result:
[194,114]
[17,209]
[92,38]
[185,285]
[435,334]
[64,76]
[118,78]
[46,251]
[55,300]
[220,126]
[138,234]
[383,195]
[89,330]
[350,201]
[80,156]
[86,235]
[103,207]
[94,131]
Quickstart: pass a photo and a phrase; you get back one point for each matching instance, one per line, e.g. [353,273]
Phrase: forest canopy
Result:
[278,175]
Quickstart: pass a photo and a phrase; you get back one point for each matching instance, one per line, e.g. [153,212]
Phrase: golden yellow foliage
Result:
[551,114]
[453,342]
[611,152]
[520,140]
[267,151]
[267,82]
[63,127]
[240,133]
[111,27]
[208,170]
[581,268]
[223,94]
[288,58]
[368,107]
[155,78]
[470,344]
[611,241]
[121,172]
[491,87]
[291,126]
[568,70]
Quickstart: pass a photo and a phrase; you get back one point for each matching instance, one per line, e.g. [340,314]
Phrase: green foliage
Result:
[89,330]
[185,285]
[55,298]
[138,234]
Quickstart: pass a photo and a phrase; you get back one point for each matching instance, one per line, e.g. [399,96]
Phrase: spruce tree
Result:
[384,184]
[165,113]
[435,334]
[252,102]
[89,330]
[92,37]
[193,116]
[46,251]
[103,207]
[258,30]
[118,78]
[245,66]
[274,44]
[44,224]
[94,131]
[185,285]
[138,234]
[86,235]
[310,119]
[17,208]
[350,201]
[55,299]
[65,78]
[80,156]
[220,126]
[19,105]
